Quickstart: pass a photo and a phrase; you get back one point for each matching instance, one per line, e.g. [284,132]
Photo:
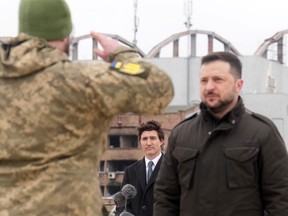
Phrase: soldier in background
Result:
[55,114]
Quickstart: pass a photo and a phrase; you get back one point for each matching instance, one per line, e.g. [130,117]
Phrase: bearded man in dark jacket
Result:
[224,160]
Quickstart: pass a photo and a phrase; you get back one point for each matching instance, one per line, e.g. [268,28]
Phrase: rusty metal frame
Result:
[155,51]
[277,38]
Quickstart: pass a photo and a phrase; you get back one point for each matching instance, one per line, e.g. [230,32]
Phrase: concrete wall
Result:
[273,106]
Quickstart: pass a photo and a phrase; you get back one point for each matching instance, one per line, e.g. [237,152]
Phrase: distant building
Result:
[123,147]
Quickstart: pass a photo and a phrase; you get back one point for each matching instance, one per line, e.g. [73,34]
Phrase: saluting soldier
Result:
[56,113]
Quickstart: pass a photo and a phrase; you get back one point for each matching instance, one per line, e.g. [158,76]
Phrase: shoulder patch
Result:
[128,68]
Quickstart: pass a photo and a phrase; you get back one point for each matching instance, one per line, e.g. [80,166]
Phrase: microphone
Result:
[125,213]
[129,191]
[119,199]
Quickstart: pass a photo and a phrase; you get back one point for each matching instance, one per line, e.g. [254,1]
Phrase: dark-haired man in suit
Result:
[142,174]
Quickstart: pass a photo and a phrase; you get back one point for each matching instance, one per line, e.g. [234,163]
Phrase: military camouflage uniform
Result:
[54,119]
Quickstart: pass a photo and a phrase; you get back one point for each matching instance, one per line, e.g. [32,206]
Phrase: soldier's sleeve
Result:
[129,84]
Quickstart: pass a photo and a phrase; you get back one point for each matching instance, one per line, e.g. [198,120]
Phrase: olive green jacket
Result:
[54,119]
[234,167]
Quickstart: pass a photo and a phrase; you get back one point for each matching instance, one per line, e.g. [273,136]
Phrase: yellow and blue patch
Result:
[127,68]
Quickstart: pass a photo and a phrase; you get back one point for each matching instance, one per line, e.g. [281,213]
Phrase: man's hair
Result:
[233,60]
[149,126]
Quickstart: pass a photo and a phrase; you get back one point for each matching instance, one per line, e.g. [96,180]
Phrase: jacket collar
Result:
[24,55]
[141,175]
[231,117]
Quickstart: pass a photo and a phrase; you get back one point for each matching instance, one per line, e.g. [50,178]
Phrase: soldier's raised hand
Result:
[108,44]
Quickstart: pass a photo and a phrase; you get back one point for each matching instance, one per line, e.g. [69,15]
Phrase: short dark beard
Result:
[221,107]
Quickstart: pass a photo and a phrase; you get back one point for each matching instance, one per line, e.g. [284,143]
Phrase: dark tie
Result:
[150,164]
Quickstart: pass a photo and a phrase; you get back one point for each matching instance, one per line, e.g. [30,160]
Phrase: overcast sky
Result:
[245,23]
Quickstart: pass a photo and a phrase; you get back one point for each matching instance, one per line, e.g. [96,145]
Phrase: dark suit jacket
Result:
[135,174]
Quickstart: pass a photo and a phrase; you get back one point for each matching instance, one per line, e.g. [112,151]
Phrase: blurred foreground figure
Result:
[55,114]
[224,160]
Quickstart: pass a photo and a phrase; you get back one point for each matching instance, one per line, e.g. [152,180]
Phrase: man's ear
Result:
[239,85]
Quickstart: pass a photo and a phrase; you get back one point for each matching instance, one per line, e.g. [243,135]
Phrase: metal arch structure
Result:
[278,39]
[155,51]
[75,45]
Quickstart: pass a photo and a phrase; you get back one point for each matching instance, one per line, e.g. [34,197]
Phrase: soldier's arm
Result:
[131,84]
